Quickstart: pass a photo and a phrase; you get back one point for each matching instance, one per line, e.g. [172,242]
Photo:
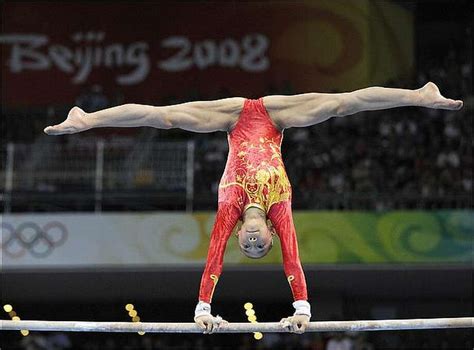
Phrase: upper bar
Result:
[266,327]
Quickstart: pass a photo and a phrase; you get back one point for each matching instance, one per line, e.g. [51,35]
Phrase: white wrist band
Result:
[202,308]
[302,307]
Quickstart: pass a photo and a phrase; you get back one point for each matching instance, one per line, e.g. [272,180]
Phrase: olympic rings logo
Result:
[30,237]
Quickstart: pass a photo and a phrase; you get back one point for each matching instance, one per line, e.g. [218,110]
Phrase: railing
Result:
[103,175]
[54,173]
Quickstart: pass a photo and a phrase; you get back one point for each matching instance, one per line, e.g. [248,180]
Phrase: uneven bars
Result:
[264,327]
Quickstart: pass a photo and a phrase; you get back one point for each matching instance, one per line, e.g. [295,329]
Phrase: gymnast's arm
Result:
[199,116]
[226,218]
[282,219]
[313,108]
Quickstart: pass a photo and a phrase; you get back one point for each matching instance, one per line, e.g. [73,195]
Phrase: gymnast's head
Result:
[255,235]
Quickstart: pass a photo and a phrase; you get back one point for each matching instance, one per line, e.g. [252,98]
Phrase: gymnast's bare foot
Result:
[76,121]
[431,97]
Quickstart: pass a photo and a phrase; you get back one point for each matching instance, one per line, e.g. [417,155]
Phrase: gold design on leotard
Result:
[290,279]
[214,279]
[265,182]
[254,205]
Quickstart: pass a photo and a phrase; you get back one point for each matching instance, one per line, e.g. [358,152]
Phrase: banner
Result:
[144,52]
[125,240]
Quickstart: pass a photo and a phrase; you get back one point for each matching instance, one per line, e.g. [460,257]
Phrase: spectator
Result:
[93,99]
[340,341]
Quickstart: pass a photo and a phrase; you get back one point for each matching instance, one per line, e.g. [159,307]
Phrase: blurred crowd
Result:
[441,339]
[413,153]
[397,158]
[418,153]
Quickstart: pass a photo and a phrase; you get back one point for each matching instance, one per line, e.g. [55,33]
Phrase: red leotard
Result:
[254,176]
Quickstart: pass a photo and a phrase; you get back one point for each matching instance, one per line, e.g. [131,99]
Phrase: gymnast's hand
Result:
[204,319]
[295,324]
[209,324]
[76,121]
[430,97]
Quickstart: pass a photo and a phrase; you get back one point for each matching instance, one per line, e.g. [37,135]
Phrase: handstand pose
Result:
[254,186]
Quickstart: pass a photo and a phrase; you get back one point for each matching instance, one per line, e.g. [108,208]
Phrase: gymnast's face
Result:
[255,235]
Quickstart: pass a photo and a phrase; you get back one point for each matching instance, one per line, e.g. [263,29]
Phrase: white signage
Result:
[88,240]
[88,51]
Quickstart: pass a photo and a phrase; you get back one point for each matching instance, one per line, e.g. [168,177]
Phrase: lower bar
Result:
[266,327]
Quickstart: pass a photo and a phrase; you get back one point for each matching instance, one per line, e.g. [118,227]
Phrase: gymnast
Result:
[254,187]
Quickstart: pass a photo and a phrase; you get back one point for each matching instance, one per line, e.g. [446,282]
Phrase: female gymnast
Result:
[254,187]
